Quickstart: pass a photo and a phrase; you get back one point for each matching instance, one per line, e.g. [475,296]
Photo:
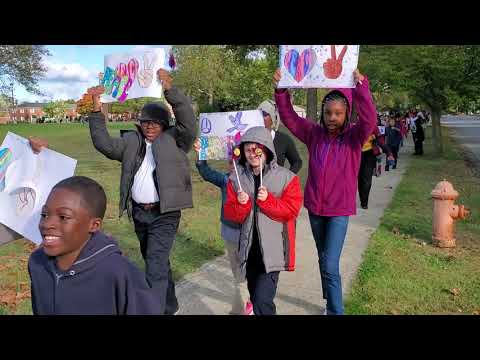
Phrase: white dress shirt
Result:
[143,189]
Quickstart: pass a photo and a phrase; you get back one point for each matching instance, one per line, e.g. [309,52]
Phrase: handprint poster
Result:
[133,75]
[221,132]
[318,66]
[26,180]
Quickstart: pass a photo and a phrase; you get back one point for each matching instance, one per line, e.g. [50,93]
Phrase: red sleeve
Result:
[232,209]
[285,208]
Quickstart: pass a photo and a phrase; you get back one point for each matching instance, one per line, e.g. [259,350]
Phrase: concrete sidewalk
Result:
[208,291]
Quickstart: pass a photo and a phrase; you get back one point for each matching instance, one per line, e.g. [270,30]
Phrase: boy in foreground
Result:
[78,270]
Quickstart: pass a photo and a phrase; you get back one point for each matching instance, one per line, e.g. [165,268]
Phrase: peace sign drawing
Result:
[332,68]
[318,66]
[145,76]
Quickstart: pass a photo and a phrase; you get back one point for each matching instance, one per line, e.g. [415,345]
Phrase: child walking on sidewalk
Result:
[241,304]
[265,199]
[335,149]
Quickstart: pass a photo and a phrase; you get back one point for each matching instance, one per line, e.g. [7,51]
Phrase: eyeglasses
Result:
[148,123]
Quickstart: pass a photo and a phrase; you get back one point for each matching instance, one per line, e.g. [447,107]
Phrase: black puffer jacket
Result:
[172,174]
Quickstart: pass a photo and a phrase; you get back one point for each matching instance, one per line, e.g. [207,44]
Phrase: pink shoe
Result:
[249,308]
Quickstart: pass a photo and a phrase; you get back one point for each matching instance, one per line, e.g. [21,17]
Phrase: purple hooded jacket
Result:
[334,162]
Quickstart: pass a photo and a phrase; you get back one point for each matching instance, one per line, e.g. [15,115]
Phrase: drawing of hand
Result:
[145,76]
[332,68]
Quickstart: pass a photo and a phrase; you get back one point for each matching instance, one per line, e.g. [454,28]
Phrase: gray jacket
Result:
[275,217]
[172,173]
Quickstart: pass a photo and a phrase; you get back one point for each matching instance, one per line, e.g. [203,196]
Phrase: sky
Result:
[71,70]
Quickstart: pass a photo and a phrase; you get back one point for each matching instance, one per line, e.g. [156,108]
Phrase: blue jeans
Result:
[329,234]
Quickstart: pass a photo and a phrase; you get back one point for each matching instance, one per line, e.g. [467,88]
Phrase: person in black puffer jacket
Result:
[155,183]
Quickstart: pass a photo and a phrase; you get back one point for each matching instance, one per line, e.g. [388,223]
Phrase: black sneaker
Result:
[365,207]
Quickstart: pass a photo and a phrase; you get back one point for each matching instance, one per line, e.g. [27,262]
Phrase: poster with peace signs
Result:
[220,132]
[133,75]
[318,66]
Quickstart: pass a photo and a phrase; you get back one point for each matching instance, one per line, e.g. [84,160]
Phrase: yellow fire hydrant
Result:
[445,212]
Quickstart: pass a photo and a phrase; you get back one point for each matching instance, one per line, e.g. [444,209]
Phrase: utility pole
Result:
[13,103]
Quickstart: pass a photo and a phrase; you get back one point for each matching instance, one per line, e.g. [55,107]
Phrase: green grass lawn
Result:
[402,272]
[198,238]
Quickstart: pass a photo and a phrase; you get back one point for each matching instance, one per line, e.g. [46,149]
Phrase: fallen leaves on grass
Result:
[455,291]
[11,298]
[394,312]
[476,312]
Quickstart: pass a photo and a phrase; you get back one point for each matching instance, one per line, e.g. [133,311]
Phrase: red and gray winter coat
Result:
[275,217]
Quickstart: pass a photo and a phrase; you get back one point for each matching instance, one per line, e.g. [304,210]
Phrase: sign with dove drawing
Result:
[220,132]
[318,66]
[134,74]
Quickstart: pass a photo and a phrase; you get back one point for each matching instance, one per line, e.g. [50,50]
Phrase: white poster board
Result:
[133,75]
[220,132]
[318,66]
[381,129]
[27,181]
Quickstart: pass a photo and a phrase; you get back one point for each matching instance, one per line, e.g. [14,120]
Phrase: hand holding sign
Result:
[242,197]
[165,78]
[358,77]
[262,193]
[333,67]
[277,76]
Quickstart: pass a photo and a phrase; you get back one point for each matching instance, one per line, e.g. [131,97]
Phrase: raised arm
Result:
[184,116]
[112,148]
[365,108]
[300,127]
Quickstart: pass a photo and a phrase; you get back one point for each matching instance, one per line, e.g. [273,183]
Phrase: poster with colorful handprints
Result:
[26,180]
[220,132]
[318,66]
[134,75]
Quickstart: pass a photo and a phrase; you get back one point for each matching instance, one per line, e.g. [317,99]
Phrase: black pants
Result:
[418,147]
[367,167]
[394,149]
[261,286]
[156,233]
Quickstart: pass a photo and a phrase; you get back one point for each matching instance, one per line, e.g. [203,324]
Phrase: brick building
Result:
[28,112]
[33,112]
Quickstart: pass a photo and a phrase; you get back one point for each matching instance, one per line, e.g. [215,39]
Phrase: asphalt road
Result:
[466,130]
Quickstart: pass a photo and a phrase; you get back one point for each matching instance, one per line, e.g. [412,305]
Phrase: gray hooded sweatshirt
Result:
[275,217]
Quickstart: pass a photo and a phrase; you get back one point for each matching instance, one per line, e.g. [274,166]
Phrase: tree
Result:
[201,71]
[55,109]
[21,64]
[5,103]
[432,76]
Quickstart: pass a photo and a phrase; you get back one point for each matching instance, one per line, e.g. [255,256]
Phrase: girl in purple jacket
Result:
[334,148]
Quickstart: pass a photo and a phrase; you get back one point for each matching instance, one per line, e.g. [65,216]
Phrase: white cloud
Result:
[58,72]
[64,81]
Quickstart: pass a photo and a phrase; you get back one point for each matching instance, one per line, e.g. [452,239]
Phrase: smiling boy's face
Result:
[66,224]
